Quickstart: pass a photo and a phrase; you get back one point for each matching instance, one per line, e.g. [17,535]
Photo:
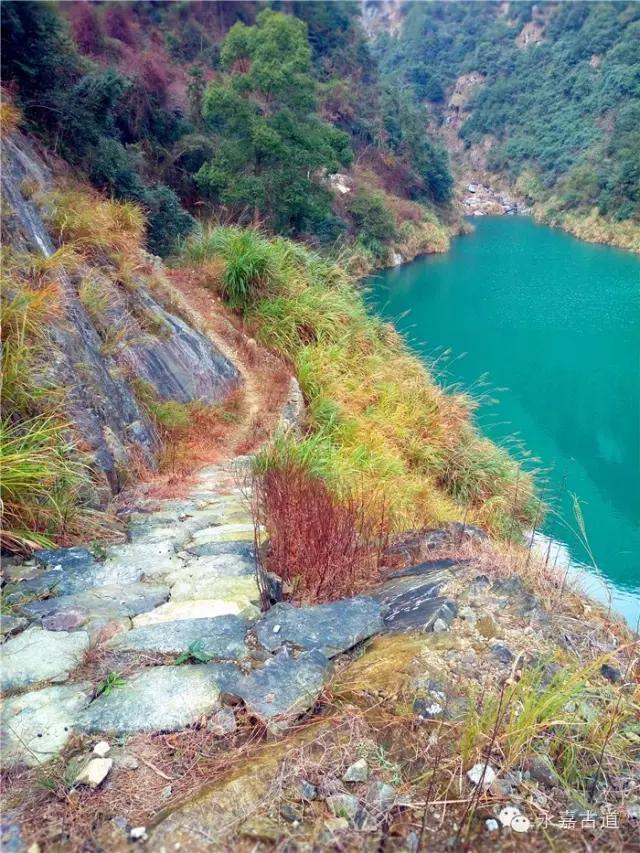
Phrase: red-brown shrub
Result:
[117,23]
[85,25]
[324,547]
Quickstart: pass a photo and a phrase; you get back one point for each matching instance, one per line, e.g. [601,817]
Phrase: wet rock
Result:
[284,687]
[330,628]
[611,673]
[343,805]
[222,723]
[36,655]
[482,774]
[357,772]
[502,653]
[220,637]
[94,772]
[107,601]
[164,698]
[37,725]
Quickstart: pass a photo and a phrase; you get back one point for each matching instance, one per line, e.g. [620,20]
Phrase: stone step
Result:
[159,699]
[107,601]
[221,637]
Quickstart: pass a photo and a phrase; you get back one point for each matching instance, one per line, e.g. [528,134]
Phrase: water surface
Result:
[552,325]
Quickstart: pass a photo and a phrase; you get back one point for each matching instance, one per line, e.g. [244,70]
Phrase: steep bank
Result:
[538,101]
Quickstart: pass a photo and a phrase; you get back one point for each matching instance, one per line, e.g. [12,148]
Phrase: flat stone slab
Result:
[37,655]
[132,561]
[63,571]
[110,601]
[331,628]
[221,637]
[241,591]
[414,602]
[36,726]
[159,699]
[224,533]
[241,547]
[206,608]
[284,687]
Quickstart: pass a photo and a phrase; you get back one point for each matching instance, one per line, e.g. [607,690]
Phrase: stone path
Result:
[179,600]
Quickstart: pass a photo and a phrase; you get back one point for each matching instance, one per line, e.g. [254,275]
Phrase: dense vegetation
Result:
[231,110]
[564,108]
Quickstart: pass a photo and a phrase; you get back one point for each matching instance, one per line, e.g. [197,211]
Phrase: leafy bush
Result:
[373,220]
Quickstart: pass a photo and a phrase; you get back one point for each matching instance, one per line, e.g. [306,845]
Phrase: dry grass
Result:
[324,547]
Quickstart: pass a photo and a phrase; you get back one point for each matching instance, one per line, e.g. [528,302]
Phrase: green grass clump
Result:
[377,419]
[40,481]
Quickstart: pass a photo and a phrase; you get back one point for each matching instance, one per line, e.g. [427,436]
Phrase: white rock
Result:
[491,824]
[94,772]
[138,833]
[102,749]
[276,629]
[357,772]
[481,772]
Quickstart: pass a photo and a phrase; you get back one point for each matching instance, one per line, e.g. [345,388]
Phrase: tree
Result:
[271,147]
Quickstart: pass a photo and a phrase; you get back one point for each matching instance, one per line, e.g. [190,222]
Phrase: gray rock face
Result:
[37,655]
[36,726]
[330,628]
[220,637]
[112,601]
[242,548]
[177,361]
[413,602]
[284,688]
[164,699]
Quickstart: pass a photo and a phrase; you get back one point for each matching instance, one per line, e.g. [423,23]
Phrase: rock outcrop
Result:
[155,349]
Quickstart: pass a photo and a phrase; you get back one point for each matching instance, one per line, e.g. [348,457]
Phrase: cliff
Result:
[109,336]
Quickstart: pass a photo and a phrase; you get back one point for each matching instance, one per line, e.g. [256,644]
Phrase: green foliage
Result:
[193,653]
[374,222]
[271,146]
[112,682]
[549,104]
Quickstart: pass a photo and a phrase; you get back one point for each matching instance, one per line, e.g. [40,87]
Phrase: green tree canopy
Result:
[272,149]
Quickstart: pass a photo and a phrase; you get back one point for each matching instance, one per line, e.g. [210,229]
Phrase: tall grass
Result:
[376,416]
[40,482]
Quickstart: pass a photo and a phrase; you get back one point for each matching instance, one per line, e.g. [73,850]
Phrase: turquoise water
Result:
[546,329]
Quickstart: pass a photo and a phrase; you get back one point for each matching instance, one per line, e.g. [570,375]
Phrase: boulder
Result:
[331,628]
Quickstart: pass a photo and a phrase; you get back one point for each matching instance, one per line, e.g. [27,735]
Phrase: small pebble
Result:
[138,833]
[102,749]
[481,772]
[166,792]
[491,824]
[358,772]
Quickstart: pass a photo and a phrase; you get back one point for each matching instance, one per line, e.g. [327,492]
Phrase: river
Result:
[545,330]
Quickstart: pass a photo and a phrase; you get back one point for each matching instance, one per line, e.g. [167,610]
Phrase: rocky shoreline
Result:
[482,200]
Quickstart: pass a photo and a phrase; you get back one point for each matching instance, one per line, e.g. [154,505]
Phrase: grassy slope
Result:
[376,418]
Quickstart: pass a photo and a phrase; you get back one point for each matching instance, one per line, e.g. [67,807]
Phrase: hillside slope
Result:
[541,98]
